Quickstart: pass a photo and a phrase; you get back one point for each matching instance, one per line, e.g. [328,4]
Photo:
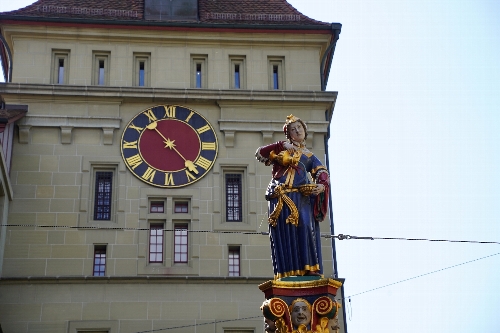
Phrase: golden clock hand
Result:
[170,144]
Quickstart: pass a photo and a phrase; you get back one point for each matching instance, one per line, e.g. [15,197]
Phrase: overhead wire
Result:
[346,297]
[422,275]
[339,236]
[193,325]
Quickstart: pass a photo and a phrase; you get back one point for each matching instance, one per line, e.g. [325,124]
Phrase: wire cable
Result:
[192,325]
[339,236]
[343,237]
[421,275]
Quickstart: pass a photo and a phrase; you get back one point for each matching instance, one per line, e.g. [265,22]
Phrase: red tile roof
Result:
[257,12]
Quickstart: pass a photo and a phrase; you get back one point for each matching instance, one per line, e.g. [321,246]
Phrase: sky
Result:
[414,153]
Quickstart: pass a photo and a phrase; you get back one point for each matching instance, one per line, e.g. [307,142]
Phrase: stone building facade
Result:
[89,241]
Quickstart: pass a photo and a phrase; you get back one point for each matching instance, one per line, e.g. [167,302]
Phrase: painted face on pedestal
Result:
[301,314]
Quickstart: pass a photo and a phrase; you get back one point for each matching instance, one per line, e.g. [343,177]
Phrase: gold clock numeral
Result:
[208,145]
[169,111]
[149,174]
[149,113]
[203,129]
[189,117]
[138,129]
[134,161]
[190,176]
[169,179]
[132,144]
[203,162]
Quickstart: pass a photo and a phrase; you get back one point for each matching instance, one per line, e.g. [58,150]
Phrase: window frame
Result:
[97,58]
[159,241]
[95,197]
[279,79]
[241,62]
[180,243]
[199,61]
[99,249]
[228,201]
[157,204]
[145,58]
[233,261]
[181,204]
[57,56]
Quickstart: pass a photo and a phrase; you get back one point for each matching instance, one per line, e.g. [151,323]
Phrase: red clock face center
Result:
[168,145]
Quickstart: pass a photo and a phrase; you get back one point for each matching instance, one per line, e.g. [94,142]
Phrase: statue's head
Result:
[295,129]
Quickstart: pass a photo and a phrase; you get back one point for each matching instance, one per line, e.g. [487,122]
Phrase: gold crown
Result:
[291,119]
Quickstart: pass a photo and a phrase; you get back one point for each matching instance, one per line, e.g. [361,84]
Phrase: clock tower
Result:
[134,201]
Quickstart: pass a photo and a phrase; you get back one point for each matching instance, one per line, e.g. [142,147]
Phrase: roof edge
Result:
[172,24]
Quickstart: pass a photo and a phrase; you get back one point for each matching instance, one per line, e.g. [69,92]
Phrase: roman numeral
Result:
[132,144]
[170,111]
[134,161]
[190,176]
[138,129]
[189,117]
[169,179]
[203,129]
[208,145]
[203,162]
[149,113]
[149,174]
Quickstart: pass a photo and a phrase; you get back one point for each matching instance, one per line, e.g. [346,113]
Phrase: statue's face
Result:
[301,314]
[297,132]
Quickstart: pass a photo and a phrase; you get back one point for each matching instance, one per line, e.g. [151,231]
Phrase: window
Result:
[157,207]
[181,243]
[99,260]
[156,233]
[234,260]
[233,197]
[198,75]
[276,74]
[142,69]
[102,195]
[237,72]
[181,207]
[60,66]
[93,326]
[100,70]
[199,71]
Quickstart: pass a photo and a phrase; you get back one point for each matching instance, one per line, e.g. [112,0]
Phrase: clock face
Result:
[169,146]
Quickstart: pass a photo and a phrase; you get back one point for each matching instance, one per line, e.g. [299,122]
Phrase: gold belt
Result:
[280,192]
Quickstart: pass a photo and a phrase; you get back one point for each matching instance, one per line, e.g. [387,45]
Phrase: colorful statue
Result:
[297,196]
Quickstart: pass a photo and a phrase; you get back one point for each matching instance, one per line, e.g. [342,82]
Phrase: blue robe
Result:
[296,249]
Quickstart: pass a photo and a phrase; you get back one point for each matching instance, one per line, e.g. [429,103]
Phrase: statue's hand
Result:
[320,188]
[290,147]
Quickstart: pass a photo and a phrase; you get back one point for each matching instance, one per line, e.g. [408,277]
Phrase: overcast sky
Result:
[414,153]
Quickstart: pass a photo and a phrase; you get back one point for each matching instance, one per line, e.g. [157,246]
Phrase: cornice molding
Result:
[120,94]
[132,280]
[66,124]
[267,128]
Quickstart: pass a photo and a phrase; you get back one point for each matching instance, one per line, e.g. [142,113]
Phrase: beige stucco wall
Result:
[52,187]
[170,55]
[129,306]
